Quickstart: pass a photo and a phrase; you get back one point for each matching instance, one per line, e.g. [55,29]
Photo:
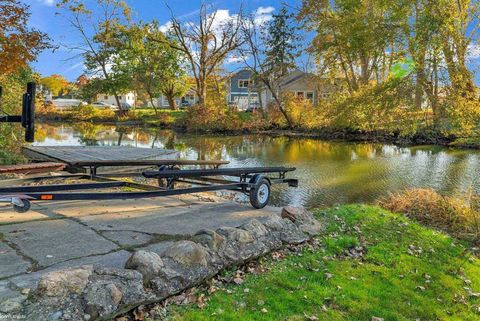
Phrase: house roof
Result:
[233,74]
[291,78]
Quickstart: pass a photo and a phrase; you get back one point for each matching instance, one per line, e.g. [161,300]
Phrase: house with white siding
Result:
[189,99]
[127,98]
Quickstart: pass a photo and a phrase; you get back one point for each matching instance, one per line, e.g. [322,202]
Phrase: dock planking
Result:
[73,154]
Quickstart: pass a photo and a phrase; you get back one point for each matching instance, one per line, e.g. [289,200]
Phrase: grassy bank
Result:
[242,122]
[371,263]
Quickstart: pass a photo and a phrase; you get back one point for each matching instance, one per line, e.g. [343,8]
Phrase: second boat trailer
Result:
[255,182]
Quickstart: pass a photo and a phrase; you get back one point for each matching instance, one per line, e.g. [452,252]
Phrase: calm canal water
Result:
[329,172]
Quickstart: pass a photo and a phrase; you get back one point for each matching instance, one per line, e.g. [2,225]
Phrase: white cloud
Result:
[265,10]
[47,2]
[233,60]
[220,18]
[263,15]
[166,27]
[473,51]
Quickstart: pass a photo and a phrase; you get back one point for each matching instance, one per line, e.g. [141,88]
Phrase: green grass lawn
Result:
[165,116]
[406,272]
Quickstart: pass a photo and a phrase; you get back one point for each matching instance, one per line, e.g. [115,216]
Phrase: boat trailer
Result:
[255,182]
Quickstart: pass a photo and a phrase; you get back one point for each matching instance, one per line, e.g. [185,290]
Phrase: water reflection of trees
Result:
[329,172]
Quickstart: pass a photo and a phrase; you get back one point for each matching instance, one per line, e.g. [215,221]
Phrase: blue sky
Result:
[61,61]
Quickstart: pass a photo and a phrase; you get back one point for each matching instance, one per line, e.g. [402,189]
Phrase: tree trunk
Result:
[119,104]
[202,92]
[419,90]
[153,105]
[282,110]
[171,102]
[150,95]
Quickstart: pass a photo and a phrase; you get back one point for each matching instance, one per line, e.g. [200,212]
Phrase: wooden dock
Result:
[73,154]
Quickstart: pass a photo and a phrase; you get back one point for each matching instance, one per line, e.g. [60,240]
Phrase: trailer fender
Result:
[257,178]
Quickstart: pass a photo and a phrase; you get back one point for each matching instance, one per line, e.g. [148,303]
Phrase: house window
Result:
[105,97]
[305,95]
[243,83]
[189,98]
[119,97]
[309,96]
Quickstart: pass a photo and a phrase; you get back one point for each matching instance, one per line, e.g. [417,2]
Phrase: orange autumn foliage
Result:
[19,44]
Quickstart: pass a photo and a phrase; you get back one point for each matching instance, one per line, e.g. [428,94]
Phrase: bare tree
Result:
[96,29]
[206,44]
[253,56]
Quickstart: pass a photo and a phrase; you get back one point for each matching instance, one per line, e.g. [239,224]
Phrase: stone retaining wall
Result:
[88,293]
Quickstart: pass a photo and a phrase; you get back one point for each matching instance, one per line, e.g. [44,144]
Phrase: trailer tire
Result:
[22,209]
[260,194]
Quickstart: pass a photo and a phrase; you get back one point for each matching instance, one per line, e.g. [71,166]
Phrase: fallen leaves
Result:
[237,280]
[414,250]
[310,317]
[139,313]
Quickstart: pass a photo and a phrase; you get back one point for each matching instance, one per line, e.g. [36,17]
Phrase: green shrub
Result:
[462,115]
[211,119]
[89,113]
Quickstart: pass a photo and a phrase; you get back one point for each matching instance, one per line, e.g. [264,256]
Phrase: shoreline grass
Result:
[371,264]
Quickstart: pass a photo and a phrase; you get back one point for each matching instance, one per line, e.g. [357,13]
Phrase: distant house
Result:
[189,99]
[128,98]
[240,90]
[66,104]
[301,84]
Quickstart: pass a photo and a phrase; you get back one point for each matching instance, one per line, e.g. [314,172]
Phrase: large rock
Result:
[210,239]
[128,282]
[233,234]
[244,243]
[262,235]
[285,230]
[186,263]
[303,219]
[102,299]
[169,282]
[255,228]
[12,305]
[187,253]
[145,262]
[65,282]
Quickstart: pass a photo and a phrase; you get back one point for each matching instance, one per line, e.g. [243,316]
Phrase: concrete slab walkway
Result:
[56,235]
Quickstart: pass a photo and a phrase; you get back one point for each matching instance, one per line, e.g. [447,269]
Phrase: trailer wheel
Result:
[22,209]
[260,194]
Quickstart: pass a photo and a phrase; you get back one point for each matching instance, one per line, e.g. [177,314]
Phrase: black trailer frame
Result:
[27,119]
[253,181]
